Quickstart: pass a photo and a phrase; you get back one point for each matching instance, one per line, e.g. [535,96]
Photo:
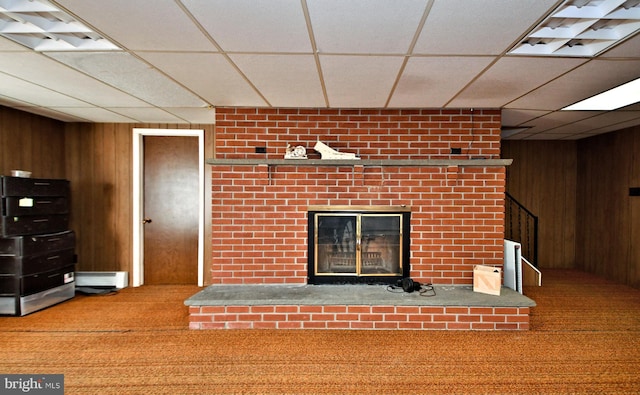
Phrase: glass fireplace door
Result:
[348,244]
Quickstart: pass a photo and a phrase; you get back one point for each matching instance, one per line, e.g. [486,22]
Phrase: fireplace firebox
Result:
[355,244]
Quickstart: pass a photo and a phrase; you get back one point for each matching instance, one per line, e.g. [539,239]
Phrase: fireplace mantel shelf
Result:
[351,162]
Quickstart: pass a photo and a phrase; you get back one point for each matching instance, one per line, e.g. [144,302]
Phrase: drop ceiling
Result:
[174,61]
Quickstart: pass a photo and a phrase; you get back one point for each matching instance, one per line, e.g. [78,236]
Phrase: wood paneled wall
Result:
[543,178]
[99,160]
[99,166]
[608,219]
[579,190]
[31,142]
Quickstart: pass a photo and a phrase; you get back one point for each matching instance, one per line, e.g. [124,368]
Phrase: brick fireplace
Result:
[260,201]
[442,167]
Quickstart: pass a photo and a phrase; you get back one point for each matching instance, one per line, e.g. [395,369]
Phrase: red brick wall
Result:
[259,228]
[358,317]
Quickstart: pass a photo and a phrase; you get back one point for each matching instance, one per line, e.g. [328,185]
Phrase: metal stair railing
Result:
[521,225]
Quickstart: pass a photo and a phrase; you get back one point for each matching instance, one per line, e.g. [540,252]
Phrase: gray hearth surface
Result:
[368,295]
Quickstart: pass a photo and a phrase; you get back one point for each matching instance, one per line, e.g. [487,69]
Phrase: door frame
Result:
[137,277]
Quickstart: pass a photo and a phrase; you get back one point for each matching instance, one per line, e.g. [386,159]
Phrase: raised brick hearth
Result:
[260,204]
[358,317]
[355,307]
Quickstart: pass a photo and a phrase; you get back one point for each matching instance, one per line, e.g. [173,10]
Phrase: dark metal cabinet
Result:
[37,259]
[33,187]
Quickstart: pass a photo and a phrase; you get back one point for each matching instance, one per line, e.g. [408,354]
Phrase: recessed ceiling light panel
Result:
[41,26]
[612,99]
[582,28]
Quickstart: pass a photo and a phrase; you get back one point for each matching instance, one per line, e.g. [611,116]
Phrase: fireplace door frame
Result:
[358,274]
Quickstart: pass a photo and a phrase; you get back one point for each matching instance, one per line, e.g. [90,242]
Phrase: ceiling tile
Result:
[53,114]
[62,79]
[433,81]
[181,57]
[13,102]
[510,78]
[557,119]
[44,111]
[195,115]
[142,25]
[253,25]
[626,49]
[620,125]
[579,123]
[131,75]
[284,80]
[517,117]
[147,115]
[8,45]
[365,26]
[606,119]
[477,27]
[36,95]
[587,80]
[211,76]
[557,136]
[359,81]
[94,114]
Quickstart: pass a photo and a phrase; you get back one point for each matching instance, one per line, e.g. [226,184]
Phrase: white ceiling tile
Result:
[477,27]
[515,117]
[620,125]
[284,80]
[432,81]
[510,78]
[359,81]
[131,75]
[558,119]
[34,94]
[211,76]
[580,123]
[13,102]
[587,80]
[8,45]
[632,107]
[547,124]
[54,114]
[606,119]
[94,114]
[556,136]
[195,115]
[147,115]
[141,24]
[365,26]
[44,111]
[253,25]
[172,70]
[628,48]
[62,79]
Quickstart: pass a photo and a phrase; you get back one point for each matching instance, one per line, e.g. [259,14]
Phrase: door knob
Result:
[146,221]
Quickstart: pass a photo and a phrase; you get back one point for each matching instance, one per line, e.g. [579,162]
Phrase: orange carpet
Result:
[585,339]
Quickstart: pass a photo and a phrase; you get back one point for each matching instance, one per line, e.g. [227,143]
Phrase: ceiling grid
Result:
[171,61]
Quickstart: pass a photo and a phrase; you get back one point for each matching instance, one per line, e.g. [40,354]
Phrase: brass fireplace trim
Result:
[361,259]
[380,209]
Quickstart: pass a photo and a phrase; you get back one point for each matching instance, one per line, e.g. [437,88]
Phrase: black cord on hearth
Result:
[426,290]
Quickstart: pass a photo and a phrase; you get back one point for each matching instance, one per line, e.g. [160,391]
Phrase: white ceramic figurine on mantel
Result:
[299,152]
[327,152]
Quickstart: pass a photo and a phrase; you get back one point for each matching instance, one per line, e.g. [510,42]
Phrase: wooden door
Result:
[170,210]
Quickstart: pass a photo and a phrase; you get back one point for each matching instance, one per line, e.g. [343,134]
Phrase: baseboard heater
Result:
[102,279]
